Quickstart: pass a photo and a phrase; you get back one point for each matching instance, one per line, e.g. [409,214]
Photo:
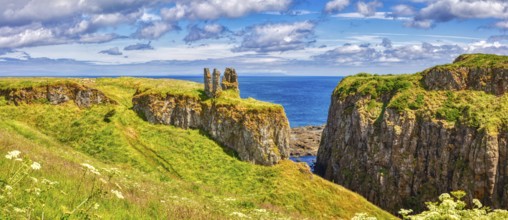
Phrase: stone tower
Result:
[230,79]
[208,83]
[216,89]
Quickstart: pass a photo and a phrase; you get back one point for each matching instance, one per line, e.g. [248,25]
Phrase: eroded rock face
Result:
[216,88]
[83,96]
[401,160]
[257,137]
[490,80]
[207,79]
[230,79]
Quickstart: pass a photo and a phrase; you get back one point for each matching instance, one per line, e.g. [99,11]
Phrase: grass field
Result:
[146,171]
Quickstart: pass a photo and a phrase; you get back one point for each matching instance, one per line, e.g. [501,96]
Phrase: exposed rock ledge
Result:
[465,75]
[386,137]
[305,140]
[55,94]
[258,135]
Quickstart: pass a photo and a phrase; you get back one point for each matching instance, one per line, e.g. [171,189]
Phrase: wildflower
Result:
[91,169]
[96,206]
[239,214]
[103,180]
[34,179]
[35,166]
[37,191]
[18,210]
[12,154]
[118,194]
[8,188]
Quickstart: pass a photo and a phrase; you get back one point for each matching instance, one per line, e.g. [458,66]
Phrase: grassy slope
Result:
[474,108]
[164,172]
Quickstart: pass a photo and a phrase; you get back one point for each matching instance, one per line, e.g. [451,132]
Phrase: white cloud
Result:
[402,10]
[336,5]
[502,25]
[278,37]
[209,31]
[214,9]
[155,30]
[446,10]
[410,54]
[377,15]
[368,9]
[424,24]
[115,51]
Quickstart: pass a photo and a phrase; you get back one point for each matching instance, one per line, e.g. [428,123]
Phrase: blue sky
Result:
[292,37]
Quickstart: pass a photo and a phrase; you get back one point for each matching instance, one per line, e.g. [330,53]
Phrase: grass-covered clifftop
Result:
[161,171]
[467,104]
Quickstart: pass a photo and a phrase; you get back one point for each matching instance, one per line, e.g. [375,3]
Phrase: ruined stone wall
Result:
[214,85]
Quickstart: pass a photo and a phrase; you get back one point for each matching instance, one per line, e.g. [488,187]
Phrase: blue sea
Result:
[305,98]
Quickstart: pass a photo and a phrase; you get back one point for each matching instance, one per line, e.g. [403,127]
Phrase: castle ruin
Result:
[213,84]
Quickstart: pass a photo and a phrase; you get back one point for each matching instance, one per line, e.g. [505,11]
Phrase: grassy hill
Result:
[144,171]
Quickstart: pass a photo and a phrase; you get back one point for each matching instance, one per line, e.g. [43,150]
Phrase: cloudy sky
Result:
[294,37]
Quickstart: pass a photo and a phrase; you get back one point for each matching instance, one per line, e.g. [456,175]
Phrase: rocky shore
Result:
[305,140]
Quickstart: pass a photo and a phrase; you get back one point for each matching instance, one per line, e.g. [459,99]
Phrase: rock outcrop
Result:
[55,94]
[305,140]
[489,78]
[230,79]
[216,88]
[258,134]
[400,157]
[207,80]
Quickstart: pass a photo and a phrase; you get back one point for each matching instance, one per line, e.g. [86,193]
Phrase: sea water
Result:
[305,99]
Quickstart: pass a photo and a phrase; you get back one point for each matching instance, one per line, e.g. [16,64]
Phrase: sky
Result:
[263,37]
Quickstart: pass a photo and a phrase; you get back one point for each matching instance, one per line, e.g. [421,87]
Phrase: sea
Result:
[305,99]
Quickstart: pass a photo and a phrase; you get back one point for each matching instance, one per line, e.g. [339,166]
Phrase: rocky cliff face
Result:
[489,78]
[399,157]
[259,136]
[83,96]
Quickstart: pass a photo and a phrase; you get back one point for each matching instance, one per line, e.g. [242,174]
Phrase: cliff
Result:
[53,92]
[257,131]
[400,140]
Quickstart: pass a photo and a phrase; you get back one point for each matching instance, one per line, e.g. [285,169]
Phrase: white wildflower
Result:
[37,191]
[12,154]
[8,188]
[91,169]
[34,179]
[96,206]
[35,166]
[18,210]
[117,193]
[239,214]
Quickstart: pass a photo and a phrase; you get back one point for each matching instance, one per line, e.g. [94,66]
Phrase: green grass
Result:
[406,94]
[164,172]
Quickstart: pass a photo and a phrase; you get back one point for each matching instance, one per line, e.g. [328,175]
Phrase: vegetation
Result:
[453,207]
[148,171]
[406,94]
[448,207]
